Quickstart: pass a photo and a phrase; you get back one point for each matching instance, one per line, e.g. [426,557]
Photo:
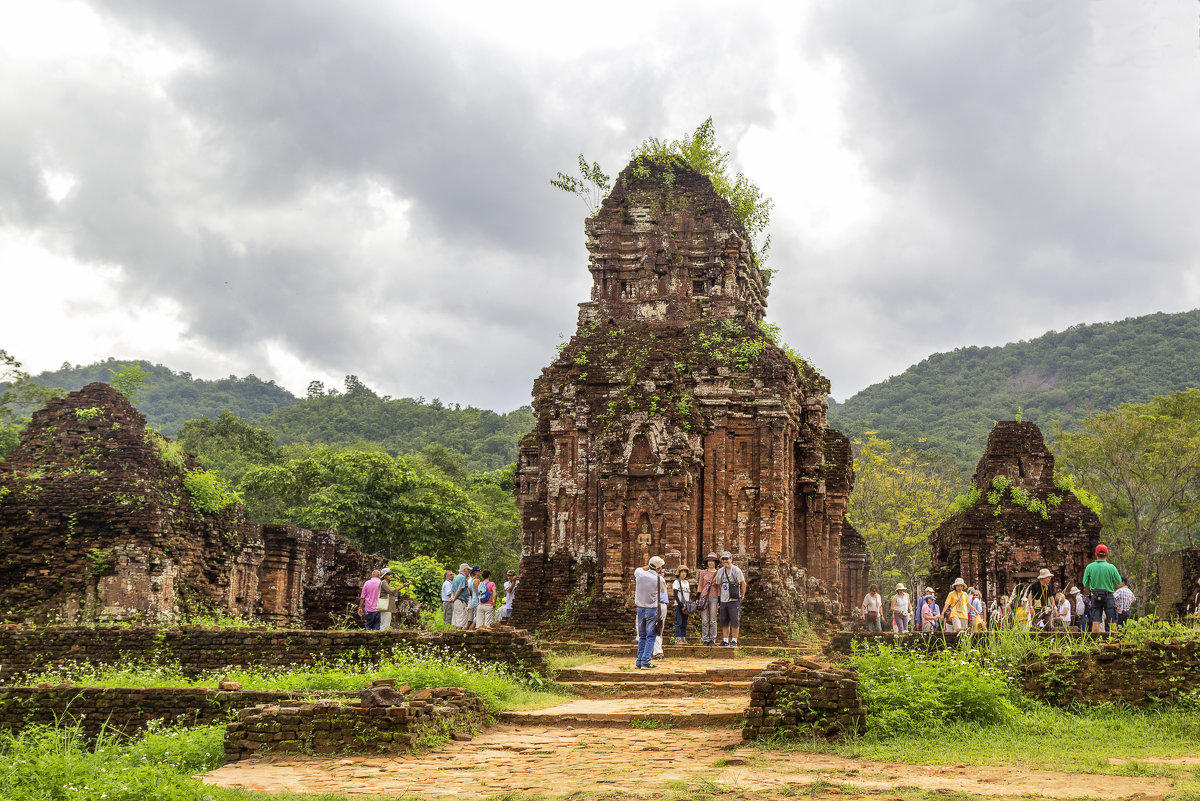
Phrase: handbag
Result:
[384,604]
[872,616]
[689,607]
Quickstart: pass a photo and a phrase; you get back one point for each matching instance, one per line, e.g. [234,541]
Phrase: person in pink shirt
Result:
[368,602]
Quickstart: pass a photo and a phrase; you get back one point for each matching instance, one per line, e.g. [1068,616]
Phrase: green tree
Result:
[1143,462]
[899,498]
[378,502]
[19,396]
[591,185]
[130,381]
[228,446]
[500,541]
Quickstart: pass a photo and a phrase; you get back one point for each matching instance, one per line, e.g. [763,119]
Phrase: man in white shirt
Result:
[1123,598]
[647,585]
[448,597]
[733,589]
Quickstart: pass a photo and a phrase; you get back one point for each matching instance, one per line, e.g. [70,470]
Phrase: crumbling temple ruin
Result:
[97,523]
[1178,572]
[1022,521]
[671,424]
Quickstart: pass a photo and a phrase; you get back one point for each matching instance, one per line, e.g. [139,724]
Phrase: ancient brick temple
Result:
[1178,572]
[1021,522]
[96,522]
[671,424]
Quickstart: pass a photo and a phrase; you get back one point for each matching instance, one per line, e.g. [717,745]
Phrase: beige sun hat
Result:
[958,581]
[901,587]
[1044,573]
[656,561]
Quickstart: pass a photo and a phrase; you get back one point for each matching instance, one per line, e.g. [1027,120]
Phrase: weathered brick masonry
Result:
[97,522]
[670,425]
[328,727]
[801,698]
[127,710]
[1178,588]
[200,650]
[1137,674]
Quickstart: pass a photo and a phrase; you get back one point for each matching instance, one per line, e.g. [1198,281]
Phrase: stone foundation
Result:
[802,698]
[330,727]
[127,711]
[1133,674]
[200,650]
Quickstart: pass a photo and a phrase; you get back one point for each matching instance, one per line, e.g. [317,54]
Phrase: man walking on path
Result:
[458,597]
[448,598]
[1101,579]
[733,590]
[647,584]
[368,602]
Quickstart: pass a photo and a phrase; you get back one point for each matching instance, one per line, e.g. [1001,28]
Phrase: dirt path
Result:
[592,747]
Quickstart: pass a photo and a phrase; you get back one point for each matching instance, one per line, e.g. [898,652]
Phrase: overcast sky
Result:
[307,189]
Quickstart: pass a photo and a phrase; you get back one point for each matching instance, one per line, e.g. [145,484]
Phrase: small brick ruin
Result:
[331,727]
[1178,590]
[199,651]
[996,546]
[671,425]
[1134,674]
[802,698]
[96,524]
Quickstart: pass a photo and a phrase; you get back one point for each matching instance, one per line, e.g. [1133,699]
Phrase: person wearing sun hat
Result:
[681,589]
[1101,578]
[957,608]
[708,598]
[900,607]
[1041,595]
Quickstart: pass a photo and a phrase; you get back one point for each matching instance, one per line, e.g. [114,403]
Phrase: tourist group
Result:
[469,598]
[720,588]
[1104,603]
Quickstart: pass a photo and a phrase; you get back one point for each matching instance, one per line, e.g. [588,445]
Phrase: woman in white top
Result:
[681,589]
[1063,612]
[900,609]
[872,607]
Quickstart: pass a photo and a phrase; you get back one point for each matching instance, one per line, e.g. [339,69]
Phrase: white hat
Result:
[726,555]
[1073,591]
[958,581]
[929,590]
[1044,573]
[899,586]
[656,561]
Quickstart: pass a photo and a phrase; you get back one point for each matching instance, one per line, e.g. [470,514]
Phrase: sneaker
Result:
[724,643]
[650,666]
[733,644]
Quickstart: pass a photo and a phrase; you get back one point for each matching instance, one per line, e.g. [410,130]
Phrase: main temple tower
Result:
[672,424]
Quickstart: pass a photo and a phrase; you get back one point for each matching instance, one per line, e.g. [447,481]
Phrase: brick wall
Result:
[802,698]
[1137,674]
[202,650]
[329,727]
[126,710]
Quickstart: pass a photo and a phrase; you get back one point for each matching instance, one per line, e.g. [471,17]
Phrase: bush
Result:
[426,575]
[209,492]
[907,691]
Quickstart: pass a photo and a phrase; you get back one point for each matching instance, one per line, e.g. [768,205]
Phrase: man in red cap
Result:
[1102,579]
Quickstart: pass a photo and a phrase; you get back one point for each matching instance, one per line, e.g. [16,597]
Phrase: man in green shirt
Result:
[1101,578]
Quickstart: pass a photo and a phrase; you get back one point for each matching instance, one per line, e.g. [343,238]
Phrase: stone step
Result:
[659,689]
[677,651]
[689,713]
[662,673]
[716,720]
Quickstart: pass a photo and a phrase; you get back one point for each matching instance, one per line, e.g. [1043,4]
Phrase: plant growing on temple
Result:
[591,185]
[1143,462]
[209,492]
[130,381]
[899,498]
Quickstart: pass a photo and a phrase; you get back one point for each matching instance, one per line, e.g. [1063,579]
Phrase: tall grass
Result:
[502,687]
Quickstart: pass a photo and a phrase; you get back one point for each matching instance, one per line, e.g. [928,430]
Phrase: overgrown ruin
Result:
[673,424]
[1177,590]
[1020,521]
[96,522]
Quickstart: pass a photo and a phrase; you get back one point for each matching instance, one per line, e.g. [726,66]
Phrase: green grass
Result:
[502,687]
[47,763]
[564,660]
[1039,736]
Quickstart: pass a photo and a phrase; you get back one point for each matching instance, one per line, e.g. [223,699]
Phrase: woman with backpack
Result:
[485,613]
[682,590]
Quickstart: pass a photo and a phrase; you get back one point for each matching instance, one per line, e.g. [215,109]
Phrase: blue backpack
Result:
[486,591]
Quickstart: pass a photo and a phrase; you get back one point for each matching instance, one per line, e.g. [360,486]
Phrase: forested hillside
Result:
[486,440]
[953,399]
[170,398]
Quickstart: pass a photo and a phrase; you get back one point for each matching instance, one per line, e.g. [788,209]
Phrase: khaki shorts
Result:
[460,615]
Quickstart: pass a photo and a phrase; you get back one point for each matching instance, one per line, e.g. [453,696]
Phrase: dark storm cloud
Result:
[1031,175]
[194,190]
